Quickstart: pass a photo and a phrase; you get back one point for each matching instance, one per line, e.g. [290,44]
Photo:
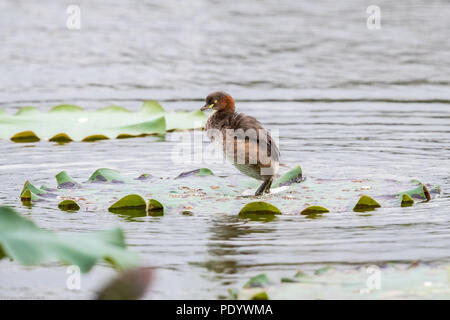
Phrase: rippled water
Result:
[347,101]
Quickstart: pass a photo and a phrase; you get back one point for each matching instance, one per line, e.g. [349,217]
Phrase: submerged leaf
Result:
[323,270]
[294,175]
[25,136]
[421,193]
[257,281]
[260,296]
[95,137]
[155,208]
[259,207]
[23,241]
[65,123]
[106,175]
[366,203]
[406,200]
[197,172]
[38,192]
[129,285]
[60,138]
[68,205]
[132,201]
[144,177]
[28,196]
[214,194]
[66,108]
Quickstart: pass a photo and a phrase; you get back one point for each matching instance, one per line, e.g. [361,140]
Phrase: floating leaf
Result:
[257,281]
[421,193]
[260,296]
[210,194]
[66,108]
[107,175]
[155,208]
[23,241]
[95,137]
[288,280]
[294,175]
[60,138]
[366,203]
[65,123]
[406,200]
[314,210]
[25,136]
[36,191]
[129,285]
[68,205]
[130,202]
[259,207]
[28,196]
[399,282]
[144,177]
[65,181]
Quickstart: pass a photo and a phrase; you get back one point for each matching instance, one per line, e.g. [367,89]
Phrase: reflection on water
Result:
[225,249]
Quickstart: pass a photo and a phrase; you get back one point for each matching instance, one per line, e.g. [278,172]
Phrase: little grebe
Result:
[243,139]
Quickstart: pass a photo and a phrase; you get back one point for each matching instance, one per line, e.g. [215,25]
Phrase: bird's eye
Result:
[215,101]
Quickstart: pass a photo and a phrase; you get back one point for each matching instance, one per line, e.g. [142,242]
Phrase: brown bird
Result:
[243,139]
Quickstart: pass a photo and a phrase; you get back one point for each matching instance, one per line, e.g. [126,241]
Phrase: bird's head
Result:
[220,101]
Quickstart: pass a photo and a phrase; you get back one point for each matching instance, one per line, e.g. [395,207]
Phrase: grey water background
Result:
[348,102]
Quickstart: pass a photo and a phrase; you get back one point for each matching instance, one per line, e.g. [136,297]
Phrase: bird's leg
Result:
[263,187]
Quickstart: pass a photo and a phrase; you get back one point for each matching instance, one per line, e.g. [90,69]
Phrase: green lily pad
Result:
[129,202]
[36,191]
[257,281]
[65,181]
[259,207]
[144,177]
[95,137]
[260,296]
[397,282]
[406,200]
[25,136]
[195,194]
[27,196]
[66,123]
[66,108]
[155,208]
[421,193]
[366,203]
[314,210]
[60,138]
[323,270]
[21,240]
[68,205]
[129,285]
[197,172]
[106,175]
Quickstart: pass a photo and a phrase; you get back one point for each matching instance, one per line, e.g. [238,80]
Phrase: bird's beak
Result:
[206,107]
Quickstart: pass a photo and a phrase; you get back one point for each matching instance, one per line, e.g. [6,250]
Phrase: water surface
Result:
[348,103]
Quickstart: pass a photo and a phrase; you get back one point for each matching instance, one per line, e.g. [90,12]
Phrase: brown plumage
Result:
[243,139]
